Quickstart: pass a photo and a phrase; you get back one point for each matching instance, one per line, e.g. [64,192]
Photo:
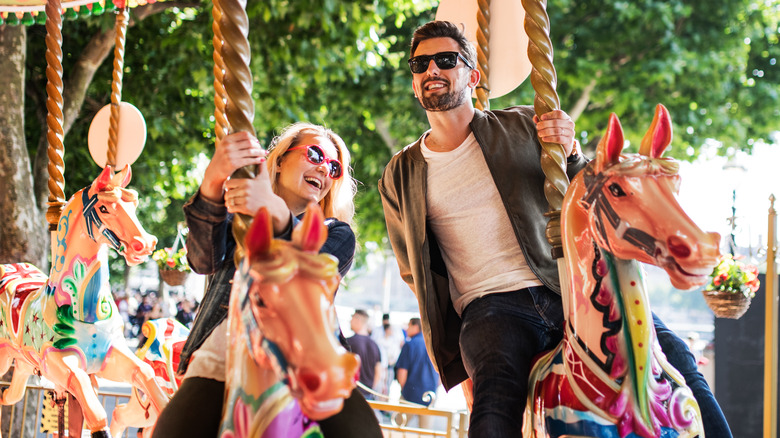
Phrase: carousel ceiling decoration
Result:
[29,12]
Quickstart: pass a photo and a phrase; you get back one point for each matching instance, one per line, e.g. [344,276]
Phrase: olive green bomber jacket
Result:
[512,151]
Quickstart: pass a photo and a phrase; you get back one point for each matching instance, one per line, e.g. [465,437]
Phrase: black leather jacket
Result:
[512,151]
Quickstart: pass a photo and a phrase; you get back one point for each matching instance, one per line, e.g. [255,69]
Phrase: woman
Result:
[306,163]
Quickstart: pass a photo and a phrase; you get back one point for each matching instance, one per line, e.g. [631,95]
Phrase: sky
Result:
[706,192]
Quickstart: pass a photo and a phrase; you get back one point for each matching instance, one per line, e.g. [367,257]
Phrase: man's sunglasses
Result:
[315,155]
[443,60]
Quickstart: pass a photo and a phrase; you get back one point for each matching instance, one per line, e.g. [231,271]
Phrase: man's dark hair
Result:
[444,29]
[415,322]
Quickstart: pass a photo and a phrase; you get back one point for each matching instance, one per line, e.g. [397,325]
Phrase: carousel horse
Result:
[608,377]
[286,368]
[165,338]
[66,327]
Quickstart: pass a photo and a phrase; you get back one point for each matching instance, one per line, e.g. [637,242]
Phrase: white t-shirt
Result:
[471,225]
[209,360]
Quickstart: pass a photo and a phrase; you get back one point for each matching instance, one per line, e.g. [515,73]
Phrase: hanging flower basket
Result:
[174,278]
[732,287]
[172,263]
[726,304]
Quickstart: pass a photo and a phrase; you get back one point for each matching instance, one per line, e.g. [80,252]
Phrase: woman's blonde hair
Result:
[339,202]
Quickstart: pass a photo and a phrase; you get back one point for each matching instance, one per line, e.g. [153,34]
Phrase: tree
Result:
[713,64]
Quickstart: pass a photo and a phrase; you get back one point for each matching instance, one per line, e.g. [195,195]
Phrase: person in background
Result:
[371,372]
[415,371]
[390,340]
[305,163]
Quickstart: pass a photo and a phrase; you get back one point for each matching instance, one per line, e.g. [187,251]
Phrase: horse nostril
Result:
[310,381]
[137,245]
[678,247]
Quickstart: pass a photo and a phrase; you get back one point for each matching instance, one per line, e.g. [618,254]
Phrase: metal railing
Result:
[397,423]
[28,424]
[395,419]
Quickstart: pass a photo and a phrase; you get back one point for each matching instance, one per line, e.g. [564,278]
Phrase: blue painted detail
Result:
[93,220]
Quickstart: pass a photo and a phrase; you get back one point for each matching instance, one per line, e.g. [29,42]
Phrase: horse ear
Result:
[258,238]
[312,234]
[104,179]
[124,176]
[659,136]
[610,147]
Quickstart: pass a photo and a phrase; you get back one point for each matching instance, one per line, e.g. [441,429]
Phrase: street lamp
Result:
[733,171]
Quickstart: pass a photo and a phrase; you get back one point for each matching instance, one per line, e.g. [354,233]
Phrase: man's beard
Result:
[444,102]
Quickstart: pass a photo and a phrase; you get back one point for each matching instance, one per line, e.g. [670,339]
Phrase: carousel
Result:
[606,378]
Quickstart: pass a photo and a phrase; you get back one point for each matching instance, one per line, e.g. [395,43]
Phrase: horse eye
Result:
[103,209]
[616,190]
[258,300]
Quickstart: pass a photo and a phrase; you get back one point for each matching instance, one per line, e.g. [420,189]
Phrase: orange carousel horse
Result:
[286,368]
[66,327]
[609,377]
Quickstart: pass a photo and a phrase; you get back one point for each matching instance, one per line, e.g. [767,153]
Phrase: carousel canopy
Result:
[29,12]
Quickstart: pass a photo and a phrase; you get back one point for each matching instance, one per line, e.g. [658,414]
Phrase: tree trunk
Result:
[23,231]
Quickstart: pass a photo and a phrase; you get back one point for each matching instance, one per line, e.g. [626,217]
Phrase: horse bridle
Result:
[93,220]
[594,196]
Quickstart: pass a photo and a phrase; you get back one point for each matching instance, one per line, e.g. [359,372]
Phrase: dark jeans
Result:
[500,336]
[196,411]
[678,354]
[502,333]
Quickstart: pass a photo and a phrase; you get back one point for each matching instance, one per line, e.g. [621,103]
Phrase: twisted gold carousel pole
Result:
[221,126]
[544,81]
[120,30]
[770,327]
[54,118]
[237,80]
[54,137]
[483,54]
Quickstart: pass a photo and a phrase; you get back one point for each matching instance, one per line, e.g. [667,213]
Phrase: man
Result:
[415,372]
[390,340]
[370,358]
[465,208]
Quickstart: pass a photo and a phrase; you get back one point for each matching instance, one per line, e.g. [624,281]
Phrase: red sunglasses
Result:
[316,155]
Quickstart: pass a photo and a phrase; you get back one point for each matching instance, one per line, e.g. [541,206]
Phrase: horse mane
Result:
[641,165]
[284,260]
[117,193]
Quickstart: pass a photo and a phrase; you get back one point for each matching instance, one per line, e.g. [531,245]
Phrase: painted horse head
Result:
[620,210]
[630,202]
[109,213]
[289,317]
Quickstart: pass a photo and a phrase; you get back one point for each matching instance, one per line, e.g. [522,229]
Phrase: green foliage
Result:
[339,63]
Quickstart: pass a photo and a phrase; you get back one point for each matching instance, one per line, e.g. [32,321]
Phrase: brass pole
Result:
[544,80]
[239,107]
[483,54]
[553,160]
[770,327]
[221,126]
[120,30]
[54,118]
